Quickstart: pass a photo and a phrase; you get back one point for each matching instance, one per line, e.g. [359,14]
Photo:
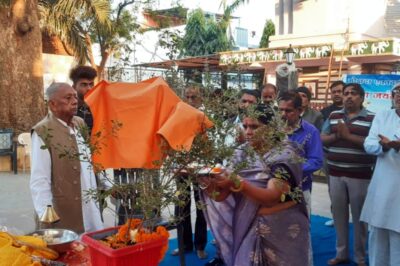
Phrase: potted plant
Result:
[154,190]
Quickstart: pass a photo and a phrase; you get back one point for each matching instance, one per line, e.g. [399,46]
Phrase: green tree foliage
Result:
[70,20]
[228,11]
[195,34]
[4,3]
[216,38]
[116,39]
[204,36]
[79,23]
[171,40]
[269,30]
[167,17]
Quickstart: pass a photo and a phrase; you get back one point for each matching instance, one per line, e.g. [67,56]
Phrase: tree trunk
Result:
[101,67]
[52,44]
[99,70]
[21,71]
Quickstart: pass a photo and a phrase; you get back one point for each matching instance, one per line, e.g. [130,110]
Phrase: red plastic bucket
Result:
[141,254]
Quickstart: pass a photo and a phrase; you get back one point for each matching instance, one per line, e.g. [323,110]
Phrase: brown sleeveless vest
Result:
[65,171]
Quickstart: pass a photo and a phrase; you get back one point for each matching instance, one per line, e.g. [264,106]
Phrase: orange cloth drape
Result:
[148,110]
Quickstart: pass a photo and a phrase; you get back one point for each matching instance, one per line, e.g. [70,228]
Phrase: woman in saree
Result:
[255,207]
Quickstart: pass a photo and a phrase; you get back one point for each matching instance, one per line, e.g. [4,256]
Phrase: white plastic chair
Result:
[25,140]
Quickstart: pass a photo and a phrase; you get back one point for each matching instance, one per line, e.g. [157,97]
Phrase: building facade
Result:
[331,38]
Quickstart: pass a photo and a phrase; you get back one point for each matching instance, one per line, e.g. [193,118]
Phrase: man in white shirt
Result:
[381,207]
[61,172]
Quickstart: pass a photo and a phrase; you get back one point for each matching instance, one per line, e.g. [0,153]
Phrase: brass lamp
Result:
[49,216]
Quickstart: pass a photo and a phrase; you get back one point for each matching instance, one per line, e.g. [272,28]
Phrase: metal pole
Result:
[181,247]
[329,76]
[341,63]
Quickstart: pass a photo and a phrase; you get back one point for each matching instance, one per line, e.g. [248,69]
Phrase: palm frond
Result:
[99,10]
[232,7]
[76,40]
[67,28]
[5,3]
[67,19]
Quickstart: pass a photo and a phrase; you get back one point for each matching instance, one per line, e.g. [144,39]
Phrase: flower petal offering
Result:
[133,232]
[217,169]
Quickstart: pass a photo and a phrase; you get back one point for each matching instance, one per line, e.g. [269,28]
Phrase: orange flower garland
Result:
[216,170]
[130,224]
[122,238]
[160,233]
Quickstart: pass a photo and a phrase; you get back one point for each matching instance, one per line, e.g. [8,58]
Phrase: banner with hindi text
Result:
[377,89]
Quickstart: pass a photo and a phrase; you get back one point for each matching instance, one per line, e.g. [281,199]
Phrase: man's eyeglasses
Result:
[396,92]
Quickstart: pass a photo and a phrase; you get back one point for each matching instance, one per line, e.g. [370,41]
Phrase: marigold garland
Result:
[123,238]
[130,224]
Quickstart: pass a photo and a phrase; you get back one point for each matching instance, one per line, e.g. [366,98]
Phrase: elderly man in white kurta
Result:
[381,207]
[61,181]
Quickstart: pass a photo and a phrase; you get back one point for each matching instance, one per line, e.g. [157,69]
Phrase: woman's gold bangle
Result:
[238,189]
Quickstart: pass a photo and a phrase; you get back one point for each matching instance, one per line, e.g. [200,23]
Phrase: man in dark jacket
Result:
[312,116]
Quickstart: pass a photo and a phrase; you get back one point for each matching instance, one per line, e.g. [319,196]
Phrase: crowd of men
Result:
[358,151]
[339,139]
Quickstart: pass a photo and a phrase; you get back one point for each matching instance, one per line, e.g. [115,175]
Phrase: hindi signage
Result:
[377,89]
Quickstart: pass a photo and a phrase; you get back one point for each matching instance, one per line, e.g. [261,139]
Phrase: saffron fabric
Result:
[150,112]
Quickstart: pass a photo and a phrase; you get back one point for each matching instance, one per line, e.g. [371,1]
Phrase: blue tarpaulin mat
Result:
[323,242]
